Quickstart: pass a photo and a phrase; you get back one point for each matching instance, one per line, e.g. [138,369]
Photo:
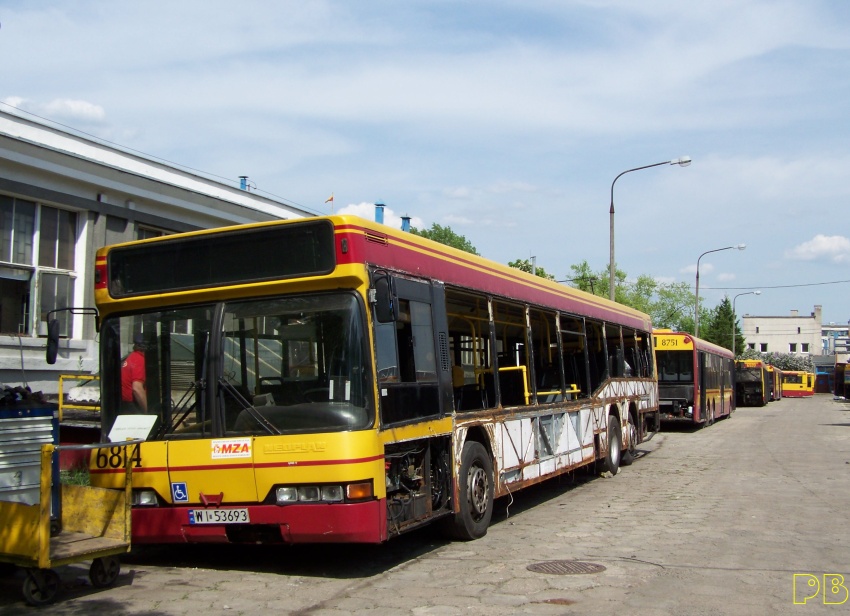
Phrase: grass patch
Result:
[75,477]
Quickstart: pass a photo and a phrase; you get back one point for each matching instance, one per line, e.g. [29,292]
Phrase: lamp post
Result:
[696,305]
[682,161]
[733,316]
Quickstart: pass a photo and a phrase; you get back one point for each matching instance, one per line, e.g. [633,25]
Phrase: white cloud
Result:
[73,109]
[704,268]
[725,277]
[835,248]
[61,109]
[506,187]
[458,192]
[367,211]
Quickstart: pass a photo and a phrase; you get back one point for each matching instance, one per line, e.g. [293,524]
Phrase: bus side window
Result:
[514,359]
[573,347]
[597,354]
[407,364]
[470,349]
[616,359]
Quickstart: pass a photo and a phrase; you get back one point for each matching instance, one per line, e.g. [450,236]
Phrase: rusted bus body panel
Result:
[532,444]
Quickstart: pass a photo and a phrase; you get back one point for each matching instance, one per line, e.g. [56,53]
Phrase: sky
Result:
[507,121]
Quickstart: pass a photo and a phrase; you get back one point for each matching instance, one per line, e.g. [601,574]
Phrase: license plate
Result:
[218,516]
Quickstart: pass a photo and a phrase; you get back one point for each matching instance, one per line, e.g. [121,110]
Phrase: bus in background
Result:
[842,381]
[774,383]
[695,378]
[751,383]
[335,380]
[798,384]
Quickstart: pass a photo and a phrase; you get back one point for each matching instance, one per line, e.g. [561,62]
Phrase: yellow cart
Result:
[90,524]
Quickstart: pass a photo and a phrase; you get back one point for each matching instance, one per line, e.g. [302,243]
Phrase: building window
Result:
[757,329]
[763,347]
[798,330]
[751,345]
[37,246]
[145,233]
[805,347]
[792,347]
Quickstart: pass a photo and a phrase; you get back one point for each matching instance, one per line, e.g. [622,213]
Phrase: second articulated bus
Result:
[695,378]
[752,387]
[336,380]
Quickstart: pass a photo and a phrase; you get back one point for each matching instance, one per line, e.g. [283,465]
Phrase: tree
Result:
[446,236]
[719,326]
[585,279]
[670,304]
[525,266]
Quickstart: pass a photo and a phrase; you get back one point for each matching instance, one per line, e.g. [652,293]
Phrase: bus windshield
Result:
[269,366]
[675,366]
[749,375]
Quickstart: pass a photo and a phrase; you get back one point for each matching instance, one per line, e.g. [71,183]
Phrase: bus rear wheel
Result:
[475,491]
[630,453]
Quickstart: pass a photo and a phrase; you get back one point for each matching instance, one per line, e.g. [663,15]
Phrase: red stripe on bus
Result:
[230,467]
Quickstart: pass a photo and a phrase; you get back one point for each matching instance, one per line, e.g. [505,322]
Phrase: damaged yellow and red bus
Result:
[696,378]
[335,380]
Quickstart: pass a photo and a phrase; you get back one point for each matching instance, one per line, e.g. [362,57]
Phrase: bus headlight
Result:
[145,498]
[332,494]
[285,495]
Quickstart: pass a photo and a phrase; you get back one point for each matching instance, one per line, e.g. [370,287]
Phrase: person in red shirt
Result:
[134,396]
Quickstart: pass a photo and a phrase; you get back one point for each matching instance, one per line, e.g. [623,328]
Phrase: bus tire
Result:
[630,453]
[611,463]
[475,492]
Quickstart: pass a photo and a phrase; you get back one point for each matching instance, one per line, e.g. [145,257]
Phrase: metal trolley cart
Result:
[44,524]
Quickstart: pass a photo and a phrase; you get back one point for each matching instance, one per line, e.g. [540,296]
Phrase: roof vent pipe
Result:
[405,223]
[243,182]
[379,213]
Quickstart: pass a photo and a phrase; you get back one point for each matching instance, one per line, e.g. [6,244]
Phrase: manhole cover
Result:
[565,567]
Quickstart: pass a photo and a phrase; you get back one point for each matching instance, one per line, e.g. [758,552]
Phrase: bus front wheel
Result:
[475,491]
[615,446]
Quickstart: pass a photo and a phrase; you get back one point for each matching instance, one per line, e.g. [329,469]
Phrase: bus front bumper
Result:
[314,523]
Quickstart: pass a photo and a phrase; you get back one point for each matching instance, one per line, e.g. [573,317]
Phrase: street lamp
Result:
[696,305]
[733,316]
[682,161]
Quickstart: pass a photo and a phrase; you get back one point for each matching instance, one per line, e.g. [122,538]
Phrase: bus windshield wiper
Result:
[247,406]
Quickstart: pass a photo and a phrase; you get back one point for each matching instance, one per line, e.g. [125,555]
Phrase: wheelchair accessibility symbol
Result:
[179,493]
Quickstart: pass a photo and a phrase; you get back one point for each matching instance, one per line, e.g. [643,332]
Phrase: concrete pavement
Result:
[711,521]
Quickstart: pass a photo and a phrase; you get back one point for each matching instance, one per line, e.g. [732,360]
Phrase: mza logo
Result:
[231,448]
[810,587]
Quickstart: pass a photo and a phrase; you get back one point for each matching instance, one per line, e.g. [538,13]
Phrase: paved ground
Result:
[713,521]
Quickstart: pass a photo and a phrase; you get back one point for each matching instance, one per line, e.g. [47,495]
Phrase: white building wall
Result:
[786,334]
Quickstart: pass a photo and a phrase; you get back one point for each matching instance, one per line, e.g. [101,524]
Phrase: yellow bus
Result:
[696,378]
[335,380]
[774,383]
[798,383]
[752,386]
